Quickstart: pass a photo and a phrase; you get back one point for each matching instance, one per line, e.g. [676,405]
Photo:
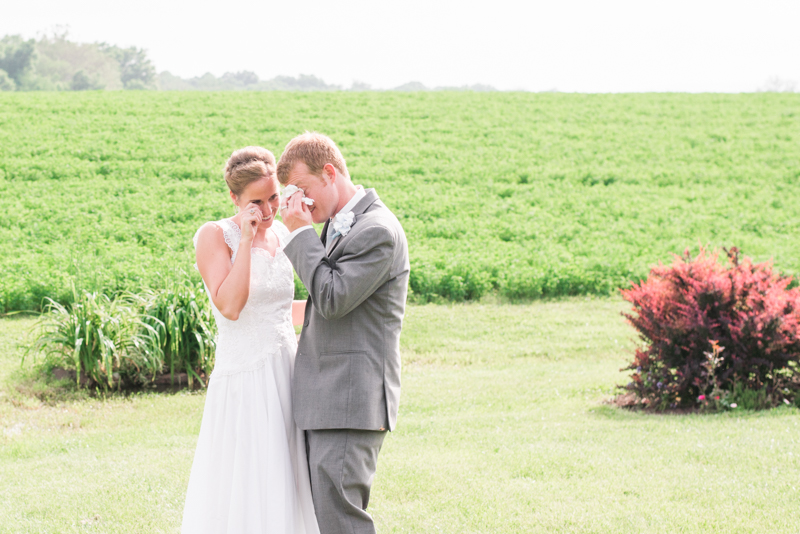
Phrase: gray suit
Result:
[346,384]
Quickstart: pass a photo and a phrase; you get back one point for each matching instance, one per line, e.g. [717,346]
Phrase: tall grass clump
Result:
[185,324]
[105,339]
[129,339]
[715,335]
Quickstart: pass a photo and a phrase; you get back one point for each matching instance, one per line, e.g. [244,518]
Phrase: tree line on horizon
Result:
[55,63]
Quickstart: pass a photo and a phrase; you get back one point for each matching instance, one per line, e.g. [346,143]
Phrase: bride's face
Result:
[265,195]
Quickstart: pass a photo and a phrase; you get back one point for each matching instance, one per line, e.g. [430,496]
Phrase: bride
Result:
[250,473]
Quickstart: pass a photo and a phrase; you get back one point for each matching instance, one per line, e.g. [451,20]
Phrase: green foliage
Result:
[241,81]
[17,57]
[56,63]
[6,83]
[130,338]
[82,82]
[106,339]
[66,65]
[182,316]
[523,195]
[136,69]
[747,398]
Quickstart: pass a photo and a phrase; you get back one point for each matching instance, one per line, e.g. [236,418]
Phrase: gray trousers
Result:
[342,466]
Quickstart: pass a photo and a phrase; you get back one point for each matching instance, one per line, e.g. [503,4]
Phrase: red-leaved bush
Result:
[712,330]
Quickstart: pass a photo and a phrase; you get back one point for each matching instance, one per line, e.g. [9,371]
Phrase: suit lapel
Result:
[359,209]
[324,236]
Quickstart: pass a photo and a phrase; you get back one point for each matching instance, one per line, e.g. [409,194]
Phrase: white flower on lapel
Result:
[342,223]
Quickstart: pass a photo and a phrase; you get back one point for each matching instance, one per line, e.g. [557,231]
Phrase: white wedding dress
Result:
[250,473]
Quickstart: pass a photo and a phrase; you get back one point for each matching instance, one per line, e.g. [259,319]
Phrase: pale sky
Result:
[568,45]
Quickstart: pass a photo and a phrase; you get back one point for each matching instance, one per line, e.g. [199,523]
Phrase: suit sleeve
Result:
[362,268]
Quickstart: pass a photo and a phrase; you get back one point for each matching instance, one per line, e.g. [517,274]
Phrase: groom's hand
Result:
[296,214]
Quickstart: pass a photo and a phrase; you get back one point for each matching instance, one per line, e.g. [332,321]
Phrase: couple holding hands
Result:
[291,430]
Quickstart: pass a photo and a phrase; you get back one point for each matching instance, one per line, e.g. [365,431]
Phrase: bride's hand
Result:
[251,218]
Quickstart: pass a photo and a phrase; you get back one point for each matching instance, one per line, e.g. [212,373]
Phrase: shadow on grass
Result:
[40,384]
[611,411]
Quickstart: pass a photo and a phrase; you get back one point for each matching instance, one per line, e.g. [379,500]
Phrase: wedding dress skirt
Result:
[250,473]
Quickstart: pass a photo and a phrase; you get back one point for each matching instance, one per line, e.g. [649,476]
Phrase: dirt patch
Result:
[630,401]
[162,383]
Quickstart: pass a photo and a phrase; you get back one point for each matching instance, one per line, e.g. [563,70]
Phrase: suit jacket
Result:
[347,370]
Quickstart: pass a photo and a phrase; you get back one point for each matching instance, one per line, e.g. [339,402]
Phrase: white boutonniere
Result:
[342,223]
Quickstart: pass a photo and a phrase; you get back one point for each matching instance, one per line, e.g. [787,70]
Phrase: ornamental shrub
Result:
[713,333]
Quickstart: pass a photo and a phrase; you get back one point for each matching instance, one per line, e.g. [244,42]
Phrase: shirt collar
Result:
[360,193]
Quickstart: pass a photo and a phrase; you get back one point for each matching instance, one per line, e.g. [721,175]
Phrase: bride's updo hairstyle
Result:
[247,165]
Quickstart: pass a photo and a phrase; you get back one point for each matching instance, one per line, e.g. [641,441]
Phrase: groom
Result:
[346,384]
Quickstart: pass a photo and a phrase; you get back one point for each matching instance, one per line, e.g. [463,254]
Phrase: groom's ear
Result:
[330,171]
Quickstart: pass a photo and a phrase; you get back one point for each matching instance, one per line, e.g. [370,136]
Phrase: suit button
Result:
[305,323]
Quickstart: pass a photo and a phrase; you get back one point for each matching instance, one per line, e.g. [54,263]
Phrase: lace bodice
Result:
[265,322]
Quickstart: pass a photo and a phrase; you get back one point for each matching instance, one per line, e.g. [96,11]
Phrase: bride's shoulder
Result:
[213,232]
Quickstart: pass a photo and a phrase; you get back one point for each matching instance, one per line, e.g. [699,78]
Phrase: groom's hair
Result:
[315,150]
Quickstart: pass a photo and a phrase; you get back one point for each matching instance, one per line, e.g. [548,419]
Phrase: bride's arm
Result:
[229,285]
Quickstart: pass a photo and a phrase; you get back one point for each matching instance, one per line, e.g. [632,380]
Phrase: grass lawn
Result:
[502,429]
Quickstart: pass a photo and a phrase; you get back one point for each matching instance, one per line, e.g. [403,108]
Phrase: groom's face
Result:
[320,189]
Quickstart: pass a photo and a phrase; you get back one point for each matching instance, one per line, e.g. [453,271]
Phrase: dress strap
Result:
[280,230]
[232,234]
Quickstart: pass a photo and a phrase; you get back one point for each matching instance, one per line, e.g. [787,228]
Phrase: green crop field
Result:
[516,194]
